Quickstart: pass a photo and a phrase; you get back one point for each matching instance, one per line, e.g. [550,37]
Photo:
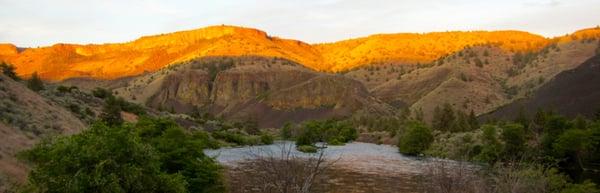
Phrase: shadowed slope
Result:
[573,92]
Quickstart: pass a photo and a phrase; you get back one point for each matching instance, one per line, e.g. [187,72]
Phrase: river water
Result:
[358,168]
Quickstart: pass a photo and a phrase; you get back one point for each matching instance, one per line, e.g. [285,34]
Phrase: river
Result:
[358,168]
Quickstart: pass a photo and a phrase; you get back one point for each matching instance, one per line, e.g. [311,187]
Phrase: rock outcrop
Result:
[252,88]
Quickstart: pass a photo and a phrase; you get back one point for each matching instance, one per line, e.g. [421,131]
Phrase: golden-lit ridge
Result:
[150,53]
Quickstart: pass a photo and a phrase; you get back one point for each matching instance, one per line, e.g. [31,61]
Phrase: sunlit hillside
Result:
[150,53]
[419,48]
[109,61]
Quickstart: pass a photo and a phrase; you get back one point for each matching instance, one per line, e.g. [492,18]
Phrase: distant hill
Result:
[286,79]
[150,53]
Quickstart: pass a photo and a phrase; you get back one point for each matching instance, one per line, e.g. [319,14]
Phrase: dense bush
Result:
[267,139]
[330,131]
[181,153]
[101,93]
[101,159]
[150,156]
[415,139]
[236,137]
[307,148]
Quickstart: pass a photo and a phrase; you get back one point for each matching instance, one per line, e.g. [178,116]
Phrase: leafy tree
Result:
[286,131]
[111,112]
[416,139]
[514,138]
[9,70]
[573,144]
[308,136]
[181,153]
[473,122]
[490,150]
[101,159]
[554,126]
[35,83]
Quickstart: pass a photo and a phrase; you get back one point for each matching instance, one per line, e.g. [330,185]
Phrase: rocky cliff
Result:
[251,88]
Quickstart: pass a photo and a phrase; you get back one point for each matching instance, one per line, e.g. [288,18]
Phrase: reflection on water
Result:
[359,167]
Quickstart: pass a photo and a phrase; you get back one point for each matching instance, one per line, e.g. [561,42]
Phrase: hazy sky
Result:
[30,23]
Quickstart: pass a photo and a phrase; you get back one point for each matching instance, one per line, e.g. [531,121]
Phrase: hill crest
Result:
[150,53]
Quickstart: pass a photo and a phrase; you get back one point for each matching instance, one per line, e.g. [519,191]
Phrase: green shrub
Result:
[491,148]
[101,159]
[307,148]
[230,137]
[585,187]
[334,141]
[101,93]
[286,131]
[74,108]
[181,153]
[513,136]
[326,131]
[35,83]
[416,138]
[63,89]
[266,139]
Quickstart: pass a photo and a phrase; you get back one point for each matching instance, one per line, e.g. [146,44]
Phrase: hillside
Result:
[240,88]
[573,92]
[150,53]
[26,117]
[480,78]
[411,48]
[238,73]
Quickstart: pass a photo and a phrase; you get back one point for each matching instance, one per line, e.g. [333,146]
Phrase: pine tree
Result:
[444,119]
[447,117]
[460,124]
[35,83]
[473,122]
[111,112]
[437,118]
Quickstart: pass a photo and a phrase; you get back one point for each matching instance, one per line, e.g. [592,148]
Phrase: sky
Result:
[32,23]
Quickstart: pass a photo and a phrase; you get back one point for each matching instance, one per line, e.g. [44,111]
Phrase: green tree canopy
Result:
[416,138]
[101,159]
[514,138]
[154,155]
